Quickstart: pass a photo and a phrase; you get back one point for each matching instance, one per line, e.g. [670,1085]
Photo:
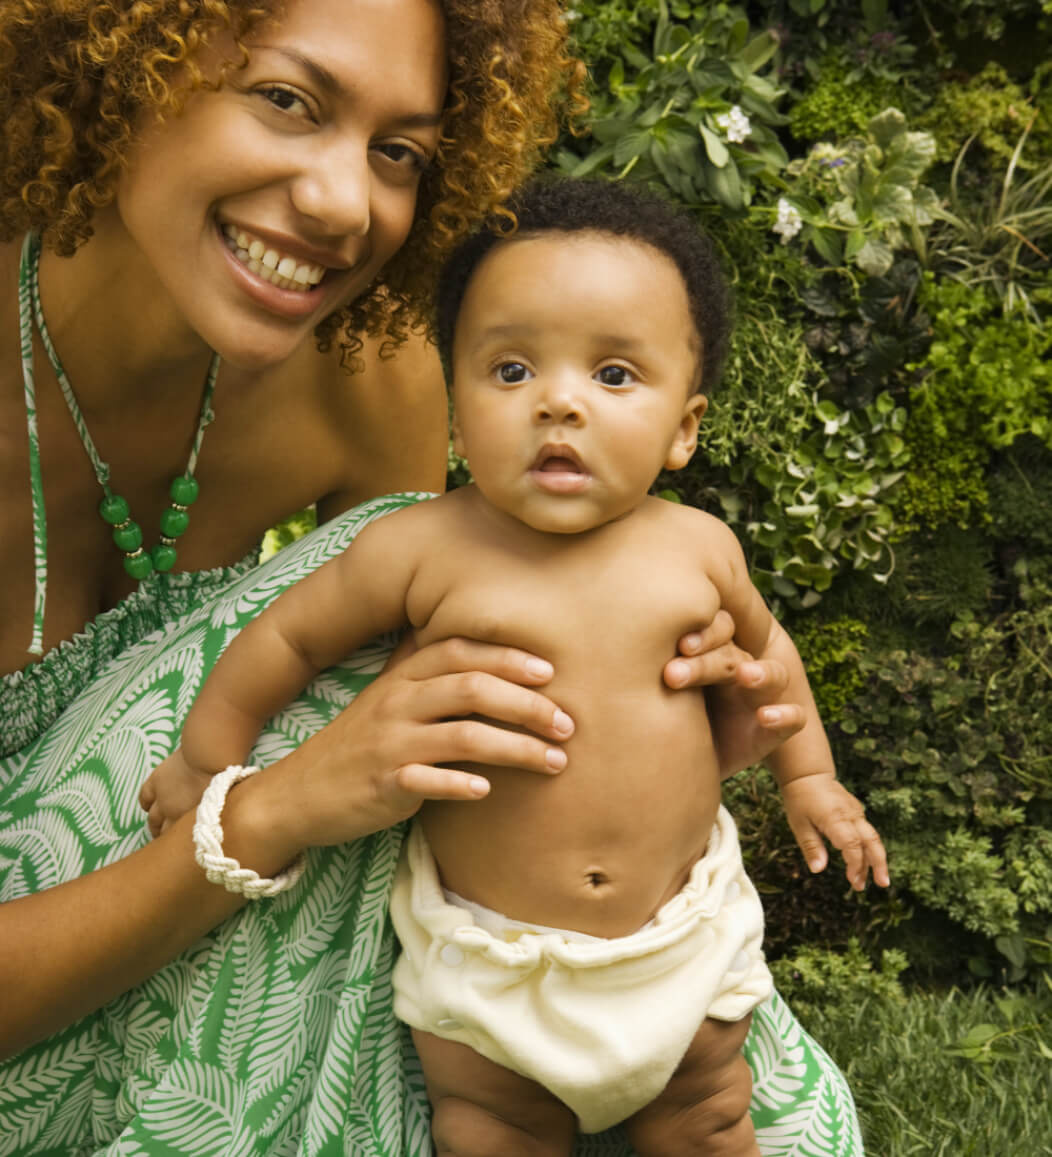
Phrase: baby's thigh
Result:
[480,1108]
[704,1108]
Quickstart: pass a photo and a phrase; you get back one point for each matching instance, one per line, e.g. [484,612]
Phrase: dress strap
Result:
[26,276]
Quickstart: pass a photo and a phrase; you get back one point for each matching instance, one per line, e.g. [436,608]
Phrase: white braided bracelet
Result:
[208,844]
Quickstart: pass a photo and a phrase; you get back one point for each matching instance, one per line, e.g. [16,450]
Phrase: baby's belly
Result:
[601,846]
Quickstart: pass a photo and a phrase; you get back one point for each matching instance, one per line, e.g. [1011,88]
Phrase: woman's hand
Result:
[379,760]
[748,721]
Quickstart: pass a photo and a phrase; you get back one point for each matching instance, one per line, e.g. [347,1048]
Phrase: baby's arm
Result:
[314,624]
[817,805]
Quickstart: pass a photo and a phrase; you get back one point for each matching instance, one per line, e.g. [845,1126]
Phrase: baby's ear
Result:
[686,440]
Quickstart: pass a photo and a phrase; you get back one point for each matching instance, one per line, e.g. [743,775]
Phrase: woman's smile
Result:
[280,269]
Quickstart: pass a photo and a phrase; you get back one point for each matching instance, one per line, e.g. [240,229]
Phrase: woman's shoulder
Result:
[386,421]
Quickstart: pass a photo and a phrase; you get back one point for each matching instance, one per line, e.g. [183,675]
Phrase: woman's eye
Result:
[512,372]
[285,100]
[614,376]
[404,155]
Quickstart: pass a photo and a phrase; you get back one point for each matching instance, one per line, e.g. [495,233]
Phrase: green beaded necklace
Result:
[113,509]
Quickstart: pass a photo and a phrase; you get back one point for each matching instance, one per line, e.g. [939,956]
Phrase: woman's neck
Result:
[113,324]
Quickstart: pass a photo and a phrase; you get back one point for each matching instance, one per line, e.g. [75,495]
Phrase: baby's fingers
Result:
[862,850]
[809,839]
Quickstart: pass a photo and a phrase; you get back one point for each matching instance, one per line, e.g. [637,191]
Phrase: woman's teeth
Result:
[270,264]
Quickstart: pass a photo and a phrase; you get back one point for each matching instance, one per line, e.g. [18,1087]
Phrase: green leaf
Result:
[759,50]
[725,185]
[631,145]
[716,149]
[875,14]
[856,238]
[593,161]
[978,1035]
[828,244]
[874,258]
[885,126]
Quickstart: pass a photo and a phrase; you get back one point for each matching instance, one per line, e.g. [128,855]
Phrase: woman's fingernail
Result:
[771,716]
[677,671]
[752,673]
[478,786]
[555,758]
[562,722]
[692,643]
[540,668]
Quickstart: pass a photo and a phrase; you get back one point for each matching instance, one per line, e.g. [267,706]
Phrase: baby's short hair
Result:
[567,205]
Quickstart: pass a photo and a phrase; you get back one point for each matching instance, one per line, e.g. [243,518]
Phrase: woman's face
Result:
[264,206]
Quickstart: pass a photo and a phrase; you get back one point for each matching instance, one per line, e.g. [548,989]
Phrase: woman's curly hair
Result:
[77,77]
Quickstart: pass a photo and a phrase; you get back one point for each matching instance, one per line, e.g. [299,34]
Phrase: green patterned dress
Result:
[273,1035]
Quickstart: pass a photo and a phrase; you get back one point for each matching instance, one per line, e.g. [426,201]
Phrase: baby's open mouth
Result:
[558,460]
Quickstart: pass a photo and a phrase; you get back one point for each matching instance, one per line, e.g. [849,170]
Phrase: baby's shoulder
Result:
[685,522]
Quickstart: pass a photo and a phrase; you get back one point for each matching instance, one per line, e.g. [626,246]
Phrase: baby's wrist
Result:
[786,779]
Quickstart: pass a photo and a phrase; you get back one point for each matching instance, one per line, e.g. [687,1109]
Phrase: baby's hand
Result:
[819,805]
[172,788]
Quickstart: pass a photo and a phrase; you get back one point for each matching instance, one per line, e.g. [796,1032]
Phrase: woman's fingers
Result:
[462,655]
[418,781]
[474,693]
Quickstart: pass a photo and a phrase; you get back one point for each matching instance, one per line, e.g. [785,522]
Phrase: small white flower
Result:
[788,223]
[736,125]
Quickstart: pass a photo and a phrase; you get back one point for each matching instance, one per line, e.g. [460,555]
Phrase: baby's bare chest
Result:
[580,610]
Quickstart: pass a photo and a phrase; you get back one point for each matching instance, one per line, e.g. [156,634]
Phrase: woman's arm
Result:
[71,948]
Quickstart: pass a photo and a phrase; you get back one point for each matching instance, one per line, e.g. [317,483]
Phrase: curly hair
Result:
[565,205]
[76,77]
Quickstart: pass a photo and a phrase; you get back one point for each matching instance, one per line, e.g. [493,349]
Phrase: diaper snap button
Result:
[740,962]
[452,955]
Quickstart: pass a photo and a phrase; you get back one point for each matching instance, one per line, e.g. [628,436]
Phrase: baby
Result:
[581,949]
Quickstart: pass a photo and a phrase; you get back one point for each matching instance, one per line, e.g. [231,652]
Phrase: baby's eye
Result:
[285,100]
[513,372]
[614,376]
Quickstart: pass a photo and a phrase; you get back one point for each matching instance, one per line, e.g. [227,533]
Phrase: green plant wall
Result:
[877,177]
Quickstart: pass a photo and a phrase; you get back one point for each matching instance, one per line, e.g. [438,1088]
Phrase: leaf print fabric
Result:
[274,1035]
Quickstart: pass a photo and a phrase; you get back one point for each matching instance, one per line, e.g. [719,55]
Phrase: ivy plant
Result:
[826,504]
[861,201]
[696,113]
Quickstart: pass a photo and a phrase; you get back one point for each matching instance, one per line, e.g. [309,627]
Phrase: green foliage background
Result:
[882,438]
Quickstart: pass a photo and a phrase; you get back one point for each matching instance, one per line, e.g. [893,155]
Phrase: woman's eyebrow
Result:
[333,86]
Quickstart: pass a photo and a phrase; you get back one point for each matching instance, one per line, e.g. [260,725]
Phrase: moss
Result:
[994,110]
[836,108]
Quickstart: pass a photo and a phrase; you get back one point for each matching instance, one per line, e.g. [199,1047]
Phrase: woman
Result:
[211,183]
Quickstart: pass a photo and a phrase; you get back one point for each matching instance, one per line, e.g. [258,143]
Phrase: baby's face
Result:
[572,368]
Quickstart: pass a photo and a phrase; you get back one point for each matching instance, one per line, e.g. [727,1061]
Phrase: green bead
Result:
[128,537]
[183,490]
[163,557]
[114,509]
[174,522]
[138,565]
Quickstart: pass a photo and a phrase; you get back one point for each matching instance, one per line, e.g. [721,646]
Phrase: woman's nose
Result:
[334,190]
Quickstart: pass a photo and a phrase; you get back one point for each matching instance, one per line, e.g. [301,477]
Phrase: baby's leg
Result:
[480,1109]
[704,1109]
[172,788]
